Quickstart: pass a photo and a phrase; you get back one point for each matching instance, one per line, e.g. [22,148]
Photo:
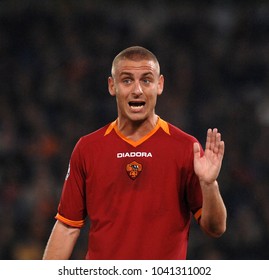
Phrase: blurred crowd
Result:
[55,57]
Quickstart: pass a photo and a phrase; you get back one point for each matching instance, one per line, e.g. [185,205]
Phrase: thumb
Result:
[196,150]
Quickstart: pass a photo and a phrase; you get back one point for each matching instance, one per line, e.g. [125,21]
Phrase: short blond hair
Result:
[135,53]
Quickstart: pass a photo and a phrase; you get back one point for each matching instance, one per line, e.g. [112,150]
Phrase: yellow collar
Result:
[160,124]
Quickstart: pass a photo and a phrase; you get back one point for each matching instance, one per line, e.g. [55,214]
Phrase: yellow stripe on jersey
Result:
[160,124]
[164,125]
[111,126]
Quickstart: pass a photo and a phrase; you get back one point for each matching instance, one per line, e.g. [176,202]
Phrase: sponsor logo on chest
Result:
[134,154]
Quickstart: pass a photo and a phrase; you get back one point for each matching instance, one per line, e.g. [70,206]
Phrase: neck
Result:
[135,130]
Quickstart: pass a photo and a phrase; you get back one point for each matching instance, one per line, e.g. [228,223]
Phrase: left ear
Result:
[160,85]
[111,86]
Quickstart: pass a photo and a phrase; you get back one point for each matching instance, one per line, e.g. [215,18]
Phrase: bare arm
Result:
[61,242]
[207,168]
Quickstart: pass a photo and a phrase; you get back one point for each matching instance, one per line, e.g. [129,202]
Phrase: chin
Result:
[138,119]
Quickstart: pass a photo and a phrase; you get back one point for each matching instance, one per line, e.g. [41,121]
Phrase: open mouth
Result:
[136,104]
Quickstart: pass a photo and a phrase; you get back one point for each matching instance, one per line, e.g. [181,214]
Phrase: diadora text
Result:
[134,154]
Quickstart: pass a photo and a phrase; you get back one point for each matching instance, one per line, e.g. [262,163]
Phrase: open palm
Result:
[208,166]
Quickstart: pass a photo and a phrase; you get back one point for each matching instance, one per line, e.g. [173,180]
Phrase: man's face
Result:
[136,85]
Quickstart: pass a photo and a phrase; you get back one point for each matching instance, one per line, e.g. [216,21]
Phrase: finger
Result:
[221,148]
[215,140]
[218,137]
[208,138]
[217,143]
[196,150]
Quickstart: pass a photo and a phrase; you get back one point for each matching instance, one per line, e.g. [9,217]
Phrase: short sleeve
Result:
[71,208]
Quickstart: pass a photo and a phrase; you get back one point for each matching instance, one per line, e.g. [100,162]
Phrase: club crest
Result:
[133,169]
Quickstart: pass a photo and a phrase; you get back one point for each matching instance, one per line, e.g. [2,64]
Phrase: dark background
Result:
[55,57]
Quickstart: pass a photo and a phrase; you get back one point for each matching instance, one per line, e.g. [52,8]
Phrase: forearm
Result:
[213,219]
[61,242]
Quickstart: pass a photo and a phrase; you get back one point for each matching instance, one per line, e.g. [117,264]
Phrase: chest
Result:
[151,176]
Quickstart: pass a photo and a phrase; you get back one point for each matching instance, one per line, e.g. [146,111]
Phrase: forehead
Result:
[132,66]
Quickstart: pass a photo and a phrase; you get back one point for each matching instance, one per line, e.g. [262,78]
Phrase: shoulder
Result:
[181,144]
[181,136]
[92,137]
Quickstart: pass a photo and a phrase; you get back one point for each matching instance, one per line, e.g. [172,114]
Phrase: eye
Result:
[127,81]
[146,80]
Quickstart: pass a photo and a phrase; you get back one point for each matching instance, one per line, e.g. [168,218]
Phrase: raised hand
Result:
[208,166]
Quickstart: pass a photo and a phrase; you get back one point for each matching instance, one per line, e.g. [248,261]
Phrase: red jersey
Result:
[138,195]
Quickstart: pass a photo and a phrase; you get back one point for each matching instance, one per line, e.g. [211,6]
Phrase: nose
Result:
[137,88]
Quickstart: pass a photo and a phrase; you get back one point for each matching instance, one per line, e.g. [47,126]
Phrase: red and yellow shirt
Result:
[139,196]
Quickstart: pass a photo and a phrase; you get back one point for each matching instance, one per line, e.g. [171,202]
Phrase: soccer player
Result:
[139,179]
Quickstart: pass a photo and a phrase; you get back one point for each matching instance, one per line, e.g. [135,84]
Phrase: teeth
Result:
[136,106]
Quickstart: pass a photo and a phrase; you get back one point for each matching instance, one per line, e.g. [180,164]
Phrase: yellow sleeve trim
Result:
[198,214]
[71,223]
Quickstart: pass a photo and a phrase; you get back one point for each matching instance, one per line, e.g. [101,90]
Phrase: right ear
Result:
[111,86]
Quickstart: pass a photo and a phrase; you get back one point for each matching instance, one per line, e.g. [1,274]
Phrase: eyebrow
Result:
[131,74]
